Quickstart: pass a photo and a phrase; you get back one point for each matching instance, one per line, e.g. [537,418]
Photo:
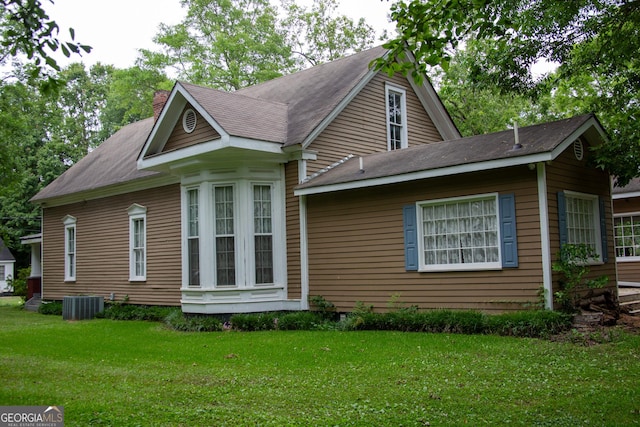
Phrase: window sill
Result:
[459,267]
[137,279]
[628,259]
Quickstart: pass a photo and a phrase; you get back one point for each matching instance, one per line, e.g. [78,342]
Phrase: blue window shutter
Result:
[603,231]
[507,205]
[410,238]
[562,219]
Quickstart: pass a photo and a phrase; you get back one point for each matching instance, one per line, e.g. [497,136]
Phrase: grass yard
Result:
[130,373]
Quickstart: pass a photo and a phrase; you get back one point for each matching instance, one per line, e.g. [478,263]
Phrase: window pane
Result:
[263,240]
[460,232]
[627,235]
[225,236]
[581,220]
[194,261]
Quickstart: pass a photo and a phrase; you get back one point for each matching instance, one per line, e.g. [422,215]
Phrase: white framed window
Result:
[460,233]
[225,235]
[239,230]
[2,274]
[396,110]
[137,242]
[263,233]
[69,248]
[626,229]
[583,220]
[193,236]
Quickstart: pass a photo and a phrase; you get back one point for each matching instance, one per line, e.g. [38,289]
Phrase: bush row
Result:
[534,323]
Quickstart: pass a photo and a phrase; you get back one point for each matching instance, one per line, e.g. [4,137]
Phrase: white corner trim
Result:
[547,281]
[304,256]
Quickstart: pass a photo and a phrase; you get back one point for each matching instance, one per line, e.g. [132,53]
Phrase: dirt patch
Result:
[593,328]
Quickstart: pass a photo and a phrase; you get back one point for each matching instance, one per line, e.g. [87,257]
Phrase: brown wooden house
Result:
[337,181]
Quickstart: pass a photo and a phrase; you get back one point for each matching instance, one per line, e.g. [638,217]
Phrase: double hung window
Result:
[627,236]
[460,233]
[69,248]
[396,118]
[231,234]
[137,242]
[581,222]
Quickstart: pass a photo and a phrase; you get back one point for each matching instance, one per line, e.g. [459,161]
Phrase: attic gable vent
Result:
[189,120]
[578,149]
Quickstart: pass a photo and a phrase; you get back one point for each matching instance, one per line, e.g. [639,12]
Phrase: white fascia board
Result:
[162,128]
[433,105]
[431,173]
[625,195]
[559,149]
[209,147]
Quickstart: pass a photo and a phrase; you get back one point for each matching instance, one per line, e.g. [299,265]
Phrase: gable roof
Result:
[112,162]
[5,253]
[543,142]
[265,119]
[289,110]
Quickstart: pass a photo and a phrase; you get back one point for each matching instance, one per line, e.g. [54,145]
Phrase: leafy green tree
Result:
[478,109]
[130,98]
[226,44]
[317,35]
[590,40]
[26,29]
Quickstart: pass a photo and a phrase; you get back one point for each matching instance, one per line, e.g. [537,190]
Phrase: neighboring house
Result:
[337,181]
[626,224]
[7,263]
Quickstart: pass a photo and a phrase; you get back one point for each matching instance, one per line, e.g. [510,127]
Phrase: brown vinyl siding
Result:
[356,247]
[361,128]
[628,271]
[102,248]
[181,139]
[292,207]
[566,173]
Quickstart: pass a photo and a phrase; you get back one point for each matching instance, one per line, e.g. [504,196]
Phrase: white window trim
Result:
[243,224]
[423,267]
[70,223]
[623,258]
[186,235]
[404,143]
[596,218]
[137,212]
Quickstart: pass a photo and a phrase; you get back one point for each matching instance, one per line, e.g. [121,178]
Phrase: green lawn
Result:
[106,372]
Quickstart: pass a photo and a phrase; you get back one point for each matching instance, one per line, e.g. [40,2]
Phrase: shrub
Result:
[254,321]
[51,308]
[325,308]
[136,312]
[536,323]
[301,321]
[178,321]
[19,283]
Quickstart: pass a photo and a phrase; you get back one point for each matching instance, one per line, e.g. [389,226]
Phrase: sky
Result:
[116,29]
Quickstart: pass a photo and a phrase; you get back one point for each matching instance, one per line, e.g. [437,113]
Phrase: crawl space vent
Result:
[189,120]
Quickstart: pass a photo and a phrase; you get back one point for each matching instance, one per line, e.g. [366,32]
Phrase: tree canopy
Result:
[28,30]
[595,44]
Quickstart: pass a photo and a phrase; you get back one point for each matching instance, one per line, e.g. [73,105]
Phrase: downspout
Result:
[545,246]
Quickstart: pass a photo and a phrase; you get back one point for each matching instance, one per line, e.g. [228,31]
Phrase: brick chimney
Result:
[159,99]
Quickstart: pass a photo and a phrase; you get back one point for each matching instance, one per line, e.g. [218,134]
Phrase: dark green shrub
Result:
[135,312]
[51,307]
[535,323]
[254,321]
[178,321]
[300,321]
[325,308]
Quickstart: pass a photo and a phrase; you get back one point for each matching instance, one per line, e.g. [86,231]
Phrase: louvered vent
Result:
[189,120]
[578,149]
